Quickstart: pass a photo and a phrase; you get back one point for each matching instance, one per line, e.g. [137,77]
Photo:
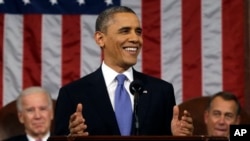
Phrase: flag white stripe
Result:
[211,46]
[171,48]
[171,45]
[89,48]
[13,57]
[51,53]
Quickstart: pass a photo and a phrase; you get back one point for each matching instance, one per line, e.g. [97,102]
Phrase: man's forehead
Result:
[223,106]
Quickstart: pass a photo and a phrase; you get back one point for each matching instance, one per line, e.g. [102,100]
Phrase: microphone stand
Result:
[136,88]
[136,97]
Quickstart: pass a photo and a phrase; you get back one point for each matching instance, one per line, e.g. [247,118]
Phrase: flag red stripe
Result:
[71,52]
[188,81]
[151,51]
[191,49]
[1,58]
[233,47]
[32,50]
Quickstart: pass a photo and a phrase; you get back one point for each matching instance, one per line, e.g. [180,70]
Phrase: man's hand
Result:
[77,124]
[184,126]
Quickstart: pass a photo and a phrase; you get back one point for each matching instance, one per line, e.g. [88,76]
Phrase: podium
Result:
[138,138]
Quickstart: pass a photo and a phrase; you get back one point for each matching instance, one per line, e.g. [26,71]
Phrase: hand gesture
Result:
[183,126]
[77,124]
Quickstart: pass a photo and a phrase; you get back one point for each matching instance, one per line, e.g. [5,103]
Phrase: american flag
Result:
[197,45]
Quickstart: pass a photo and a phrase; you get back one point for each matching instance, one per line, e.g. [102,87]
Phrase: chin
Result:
[132,63]
[40,130]
[129,64]
[221,134]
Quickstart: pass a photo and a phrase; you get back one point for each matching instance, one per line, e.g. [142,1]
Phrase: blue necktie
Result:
[123,107]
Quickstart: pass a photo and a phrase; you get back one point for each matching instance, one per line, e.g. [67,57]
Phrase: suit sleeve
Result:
[63,110]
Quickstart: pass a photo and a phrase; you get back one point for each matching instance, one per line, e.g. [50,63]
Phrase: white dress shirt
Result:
[45,138]
[111,83]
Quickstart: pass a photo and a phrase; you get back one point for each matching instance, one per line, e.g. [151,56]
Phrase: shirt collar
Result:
[110,74]
[45,138]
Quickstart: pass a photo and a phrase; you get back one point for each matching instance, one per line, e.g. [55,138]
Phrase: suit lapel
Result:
[144,98]
[102,102]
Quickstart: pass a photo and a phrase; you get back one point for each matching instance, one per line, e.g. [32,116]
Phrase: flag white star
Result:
[109,2]
[53,2]
[1,2]
[26,2]
[81,2]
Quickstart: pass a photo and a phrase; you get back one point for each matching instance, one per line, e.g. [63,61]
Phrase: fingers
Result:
[79,108]
[76,118]
[184,132]
[186,124]
[186,129]
[187,117]
[175,112]
[77,124]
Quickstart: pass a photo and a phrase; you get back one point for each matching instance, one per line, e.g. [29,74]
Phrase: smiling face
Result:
[122,41]
[221,114]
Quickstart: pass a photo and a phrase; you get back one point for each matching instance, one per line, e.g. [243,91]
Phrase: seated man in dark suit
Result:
[35,111]
[89,106]
[222,111]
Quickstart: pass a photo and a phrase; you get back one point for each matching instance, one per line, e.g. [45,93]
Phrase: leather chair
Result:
[9,123]
[197,106]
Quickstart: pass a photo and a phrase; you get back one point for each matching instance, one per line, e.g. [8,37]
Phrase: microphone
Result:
[136,89]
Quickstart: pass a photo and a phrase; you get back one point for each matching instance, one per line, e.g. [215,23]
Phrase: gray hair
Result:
[32,90]
[226,96]
[104,17]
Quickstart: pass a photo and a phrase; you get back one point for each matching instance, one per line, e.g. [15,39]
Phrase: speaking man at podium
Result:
[93,105]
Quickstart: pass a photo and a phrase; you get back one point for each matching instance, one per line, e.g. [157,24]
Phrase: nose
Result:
[37,113]
[222,120]
[135,37]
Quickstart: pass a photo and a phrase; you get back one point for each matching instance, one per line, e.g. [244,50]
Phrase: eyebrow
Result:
[129,28]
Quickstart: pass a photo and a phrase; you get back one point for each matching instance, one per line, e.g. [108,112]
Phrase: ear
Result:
[205,116]
[20,117]
[52,114]
[238,119]
[99,38]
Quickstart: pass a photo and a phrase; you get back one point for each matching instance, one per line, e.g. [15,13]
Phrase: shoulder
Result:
[86,80]
[156,88]
[154,85]
[152,80]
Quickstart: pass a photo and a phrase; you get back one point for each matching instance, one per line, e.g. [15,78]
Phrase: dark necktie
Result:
[123,107]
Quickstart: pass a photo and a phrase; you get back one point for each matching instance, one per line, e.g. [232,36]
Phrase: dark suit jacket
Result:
[17,138]
[155,106]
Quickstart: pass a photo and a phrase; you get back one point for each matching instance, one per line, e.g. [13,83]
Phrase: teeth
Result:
[131,49]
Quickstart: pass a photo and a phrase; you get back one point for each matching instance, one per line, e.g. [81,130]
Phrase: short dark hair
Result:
[226,96]
[105,16]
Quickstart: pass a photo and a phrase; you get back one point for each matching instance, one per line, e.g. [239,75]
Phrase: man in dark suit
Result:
[35,112]
[87,106]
